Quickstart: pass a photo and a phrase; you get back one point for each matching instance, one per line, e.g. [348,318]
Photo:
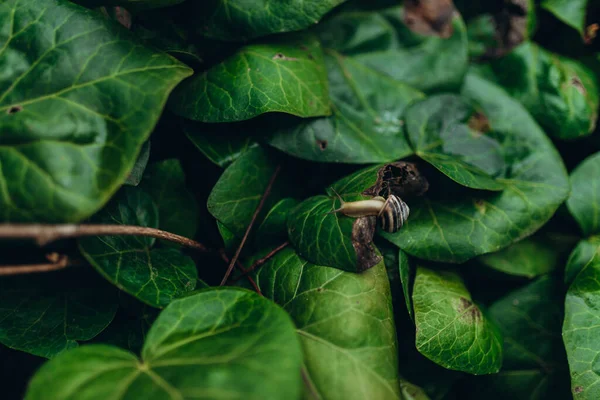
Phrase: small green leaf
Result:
[382,42]
[241,20]
[581,333]
[177,208]
[154,276]
[571,12]
[218,343]
[236,195]
[439,132]
[135,176]
[366,125]
[287,76]
[345,324]
[560,93]
[46,314]
[221,144]
[585,190]
[528,258]
[273,229]
[452,331]
[534,366]
[406,276]
[585,254]
[455,224]
[77,93]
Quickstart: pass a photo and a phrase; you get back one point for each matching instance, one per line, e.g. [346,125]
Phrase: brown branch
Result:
[57,262]
[258,263]
[252,221]
[44,234]
[241,268]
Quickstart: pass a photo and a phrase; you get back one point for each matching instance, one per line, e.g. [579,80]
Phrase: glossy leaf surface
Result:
[585,192]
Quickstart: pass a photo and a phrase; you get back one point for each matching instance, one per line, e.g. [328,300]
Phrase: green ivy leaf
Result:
[452,331]
[585,254]
[221,144]
[77,93]
[46,314]
[286,76]
[273,229]
[363,354]
[177,208]
[528,258]
[366,125]
[581,330]
[560,93]
[135,176]
[439,132]
[571,12]
[382,42]
[530,319]
[582,203]
[155,276]
[220,342]
[455,224]
[406,279]
[240,20]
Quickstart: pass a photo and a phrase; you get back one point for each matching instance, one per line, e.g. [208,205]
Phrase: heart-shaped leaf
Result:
[286,76]
[155,276]
[583,203]
[560,93]
[366,125]
[452,331]
[47,314]
[454,224]
[438,128]
[585,254]
[219,342]
[363,354]
[241,20]
[570,12]
[530,319]
[383,42]
[177,208]
[77,93]
[581,332]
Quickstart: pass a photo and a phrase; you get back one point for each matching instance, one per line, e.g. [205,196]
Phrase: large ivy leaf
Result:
[344,322]
[454,224]
[534,367]
[77,93]
[177,208]
[366,125]
[382,42]
[528,258]
[285,76]
[155,276]
[438,129]
[240,20]
[452,331]
[581,331]
[560,93]
[585,254]
[583,202]
[47,314]
[571,12]
[217,343]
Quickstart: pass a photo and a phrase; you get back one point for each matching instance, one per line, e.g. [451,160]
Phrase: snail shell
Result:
[391,213]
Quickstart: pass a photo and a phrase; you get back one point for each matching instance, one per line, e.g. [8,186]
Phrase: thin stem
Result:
[252,221]
[44,234]
[241,268]
[57,262]
[259,263]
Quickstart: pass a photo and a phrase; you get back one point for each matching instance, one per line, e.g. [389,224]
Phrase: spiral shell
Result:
[393,214]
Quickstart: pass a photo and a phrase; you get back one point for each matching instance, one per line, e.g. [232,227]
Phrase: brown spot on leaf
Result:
[281,56]
[511,28]
[577,84]
[591,31]
[468,310]
[430,17]
[578,389]
[400,178]
[363,230]
[322,144]
[480,206]
[14,109]
[479,123]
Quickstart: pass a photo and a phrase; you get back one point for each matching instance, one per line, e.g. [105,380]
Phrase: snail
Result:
[391,212]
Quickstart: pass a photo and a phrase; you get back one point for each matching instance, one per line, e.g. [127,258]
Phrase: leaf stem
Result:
[57,262]
[258,263]
[241,268]
[44,234]
[252,221]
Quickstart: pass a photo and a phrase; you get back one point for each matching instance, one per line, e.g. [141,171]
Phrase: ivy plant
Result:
[335,199]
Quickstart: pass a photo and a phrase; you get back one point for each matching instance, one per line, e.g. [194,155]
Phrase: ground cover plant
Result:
[177,180]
